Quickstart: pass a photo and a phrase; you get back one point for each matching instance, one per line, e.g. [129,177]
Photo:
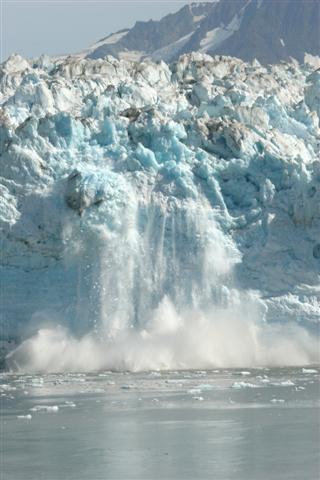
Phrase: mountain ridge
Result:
[267,30]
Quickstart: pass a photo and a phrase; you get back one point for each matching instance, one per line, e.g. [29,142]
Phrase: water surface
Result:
[222,425]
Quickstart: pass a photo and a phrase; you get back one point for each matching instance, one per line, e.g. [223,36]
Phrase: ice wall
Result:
[127,185]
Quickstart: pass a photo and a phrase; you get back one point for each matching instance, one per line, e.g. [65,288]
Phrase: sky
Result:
[54,27]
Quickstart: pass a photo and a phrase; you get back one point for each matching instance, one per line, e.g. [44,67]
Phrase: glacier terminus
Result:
[156,215]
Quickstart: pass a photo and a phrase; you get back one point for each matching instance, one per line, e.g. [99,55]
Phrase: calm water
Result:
[262,424]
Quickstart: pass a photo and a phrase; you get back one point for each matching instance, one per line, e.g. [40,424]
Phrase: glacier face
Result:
[129,189]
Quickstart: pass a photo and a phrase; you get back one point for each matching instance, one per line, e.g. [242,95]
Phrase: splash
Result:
[229,337]
[157,292]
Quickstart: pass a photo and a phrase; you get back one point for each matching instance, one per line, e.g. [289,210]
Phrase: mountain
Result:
[268,30]
[172,211]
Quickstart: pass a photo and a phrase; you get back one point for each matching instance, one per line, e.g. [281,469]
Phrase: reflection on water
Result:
[262,424]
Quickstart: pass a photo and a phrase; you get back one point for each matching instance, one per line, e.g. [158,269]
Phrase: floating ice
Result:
[194,391]
[205,386]
[287,383]
[45,408]
[67,404]
[7,388]
[239,385]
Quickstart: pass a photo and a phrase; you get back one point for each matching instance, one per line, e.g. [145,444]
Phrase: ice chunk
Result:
[287,383]
[194,391]
[309,370]
[45,408]
[239,385]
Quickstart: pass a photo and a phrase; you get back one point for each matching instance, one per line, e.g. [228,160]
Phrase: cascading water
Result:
[156,290]
[158,247]
[165,251]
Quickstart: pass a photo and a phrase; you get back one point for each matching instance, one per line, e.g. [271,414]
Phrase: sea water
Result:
[258,424]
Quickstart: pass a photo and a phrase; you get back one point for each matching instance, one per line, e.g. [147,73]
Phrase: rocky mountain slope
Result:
[268,30]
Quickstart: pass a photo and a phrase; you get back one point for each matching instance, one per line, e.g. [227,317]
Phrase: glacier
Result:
[159,215]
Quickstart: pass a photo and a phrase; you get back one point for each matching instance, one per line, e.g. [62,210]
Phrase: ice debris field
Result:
[159,216]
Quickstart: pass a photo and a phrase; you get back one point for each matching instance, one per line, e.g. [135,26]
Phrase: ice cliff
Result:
[127,188]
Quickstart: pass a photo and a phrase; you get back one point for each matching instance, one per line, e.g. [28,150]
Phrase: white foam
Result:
[193,340]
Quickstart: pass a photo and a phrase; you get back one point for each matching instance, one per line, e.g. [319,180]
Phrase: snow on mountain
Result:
[136,194]
[109,40]
[268,30]
[156,40]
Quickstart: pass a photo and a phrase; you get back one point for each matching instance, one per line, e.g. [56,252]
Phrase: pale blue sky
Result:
[31,28]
